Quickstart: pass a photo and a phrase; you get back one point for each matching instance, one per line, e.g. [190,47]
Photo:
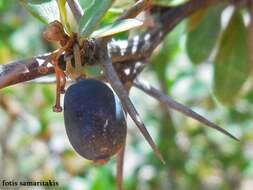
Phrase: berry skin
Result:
[94,120]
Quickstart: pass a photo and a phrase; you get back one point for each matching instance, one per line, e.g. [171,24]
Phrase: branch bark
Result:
[137,48]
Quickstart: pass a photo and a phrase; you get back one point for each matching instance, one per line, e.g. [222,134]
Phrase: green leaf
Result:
[46,11]
[196,19]
[117,27]
[64,14]
[110,17]
[85,4]
[232,63]
[93,16]
[37,1]
[202,39]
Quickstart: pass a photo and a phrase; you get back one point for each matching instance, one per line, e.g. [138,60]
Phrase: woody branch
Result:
[136,49]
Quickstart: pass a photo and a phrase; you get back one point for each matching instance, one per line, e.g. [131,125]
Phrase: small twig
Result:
[118,87]
[138,7]
[120,168]
[155,93]
[76,9]
[77,58]
[20,71]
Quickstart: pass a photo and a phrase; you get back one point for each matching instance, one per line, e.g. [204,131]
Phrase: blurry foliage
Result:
[198,62]
[232,66]
[205,34]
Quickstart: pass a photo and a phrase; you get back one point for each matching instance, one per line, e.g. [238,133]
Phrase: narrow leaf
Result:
[63,14]
[46,11]
[169,2]
[202,39]
[93,16]
[117,27]
[232,63]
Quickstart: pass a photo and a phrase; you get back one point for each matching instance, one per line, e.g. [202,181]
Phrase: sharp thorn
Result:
[157,94]
[125,100]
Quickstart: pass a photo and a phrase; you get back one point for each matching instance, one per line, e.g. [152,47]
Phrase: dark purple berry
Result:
[94,120]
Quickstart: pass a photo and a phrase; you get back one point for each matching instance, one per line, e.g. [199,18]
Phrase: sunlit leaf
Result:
[63,14]
[120,26]
[93,16]
[202,39]
[45,11]
[110,17]
[170,2]
[232,61]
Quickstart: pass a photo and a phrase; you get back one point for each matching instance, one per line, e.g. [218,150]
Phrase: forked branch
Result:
[137,48]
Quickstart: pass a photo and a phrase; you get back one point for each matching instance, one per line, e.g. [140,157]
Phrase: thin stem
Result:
[76,9]
[157,94]
[120,168]
[137,8]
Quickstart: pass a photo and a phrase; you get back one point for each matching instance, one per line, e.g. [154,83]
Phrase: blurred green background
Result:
[34,145]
